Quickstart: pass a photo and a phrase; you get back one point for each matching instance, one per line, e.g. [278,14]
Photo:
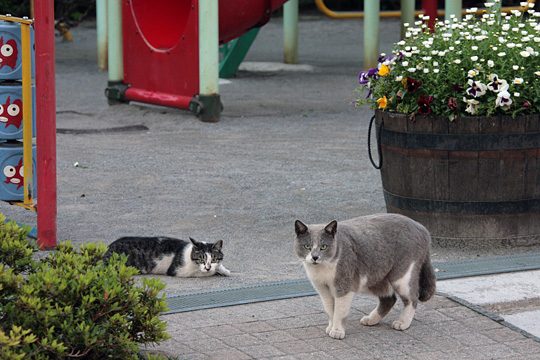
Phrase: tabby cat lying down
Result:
[169,256]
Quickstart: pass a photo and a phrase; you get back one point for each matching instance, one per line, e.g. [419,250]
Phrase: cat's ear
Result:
[194,242]
[218,245]
[331,228]
[300,228]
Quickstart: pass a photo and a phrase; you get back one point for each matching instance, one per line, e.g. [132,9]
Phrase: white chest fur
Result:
[324,275]
[321,274]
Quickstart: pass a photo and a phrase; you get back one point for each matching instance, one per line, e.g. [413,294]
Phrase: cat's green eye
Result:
[307,247]
[324,247]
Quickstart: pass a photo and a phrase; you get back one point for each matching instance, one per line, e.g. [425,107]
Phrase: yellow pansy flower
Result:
[384,70]
[382,103]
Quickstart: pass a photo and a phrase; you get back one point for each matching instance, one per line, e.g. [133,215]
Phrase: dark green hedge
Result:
[67,10]
[15,7]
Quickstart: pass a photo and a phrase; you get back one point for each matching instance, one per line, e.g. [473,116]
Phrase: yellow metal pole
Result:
[19,20]
[27,111]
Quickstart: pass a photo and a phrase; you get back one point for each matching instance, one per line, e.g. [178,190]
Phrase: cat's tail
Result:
[427,281]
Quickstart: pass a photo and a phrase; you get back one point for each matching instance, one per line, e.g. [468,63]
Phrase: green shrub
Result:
[71,304]
[16,344]
[15,250]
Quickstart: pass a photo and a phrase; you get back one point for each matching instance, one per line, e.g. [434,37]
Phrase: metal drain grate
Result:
[487,266]
[245,295]
[298,288]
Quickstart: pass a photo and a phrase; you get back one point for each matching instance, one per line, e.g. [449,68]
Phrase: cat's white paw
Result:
[368,321]
[328,328]
[337,333]
[222,270]
[400,325]
[225,272]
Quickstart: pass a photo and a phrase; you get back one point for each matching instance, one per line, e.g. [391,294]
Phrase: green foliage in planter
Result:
[485,64]
[71,304]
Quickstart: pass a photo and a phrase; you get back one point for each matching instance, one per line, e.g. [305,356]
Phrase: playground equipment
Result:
[18,164]
[16,112]
[166,52]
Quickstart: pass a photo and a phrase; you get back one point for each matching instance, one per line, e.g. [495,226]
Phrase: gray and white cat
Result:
[169,256]
[381,254]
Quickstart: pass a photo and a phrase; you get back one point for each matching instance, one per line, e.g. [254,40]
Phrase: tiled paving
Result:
[294,329]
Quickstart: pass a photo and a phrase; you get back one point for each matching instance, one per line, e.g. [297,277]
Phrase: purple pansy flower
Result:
[476,88]
[496,84]
[364,76]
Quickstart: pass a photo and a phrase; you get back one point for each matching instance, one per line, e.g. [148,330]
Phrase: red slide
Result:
[160,44]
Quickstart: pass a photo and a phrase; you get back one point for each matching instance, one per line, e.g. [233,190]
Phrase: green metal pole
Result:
[407,15]
[101,28]
[114,27]
[452,7]
[234,52]
[290,32]
[371,32]
[497,10]
[209,61]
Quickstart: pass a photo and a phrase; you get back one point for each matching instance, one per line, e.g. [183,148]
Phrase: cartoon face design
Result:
[8,53]
[14,174]
[11,113]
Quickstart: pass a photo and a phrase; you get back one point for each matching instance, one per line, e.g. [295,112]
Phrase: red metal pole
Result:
[430,9]
[46,123]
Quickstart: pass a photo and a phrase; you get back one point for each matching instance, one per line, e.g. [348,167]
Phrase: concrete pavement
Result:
[514,296]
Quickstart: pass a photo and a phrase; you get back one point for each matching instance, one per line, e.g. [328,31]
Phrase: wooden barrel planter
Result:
[473,179]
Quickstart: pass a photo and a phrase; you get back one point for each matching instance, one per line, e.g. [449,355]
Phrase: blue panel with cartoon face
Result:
[11,51]
[11,112]
[12,171]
